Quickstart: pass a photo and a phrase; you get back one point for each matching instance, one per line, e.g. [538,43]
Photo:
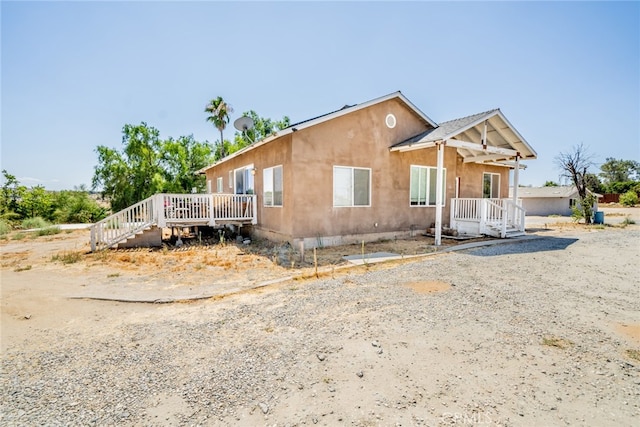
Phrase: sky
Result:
[74,73]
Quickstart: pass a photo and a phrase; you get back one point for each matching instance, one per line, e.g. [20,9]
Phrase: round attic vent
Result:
[390,120]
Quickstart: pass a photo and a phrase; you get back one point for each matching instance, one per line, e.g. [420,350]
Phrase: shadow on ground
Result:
[525,246]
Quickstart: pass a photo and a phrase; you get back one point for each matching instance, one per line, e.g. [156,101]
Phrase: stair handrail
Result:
[123,224]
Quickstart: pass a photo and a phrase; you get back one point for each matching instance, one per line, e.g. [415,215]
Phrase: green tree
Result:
[218,113]
[76,206]
[10,195]
[36,201]
[262,128]
[630,198]
[575,166]
[135,173]
[181,158]
[593,183]
[618,170]
[550,184]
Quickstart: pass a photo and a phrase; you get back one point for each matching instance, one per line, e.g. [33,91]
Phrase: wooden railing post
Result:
[254,220]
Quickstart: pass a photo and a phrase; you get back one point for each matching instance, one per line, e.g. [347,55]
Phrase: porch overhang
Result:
[486,138]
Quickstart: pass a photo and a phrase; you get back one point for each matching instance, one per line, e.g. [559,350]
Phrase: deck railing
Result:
[488,213]
[173,210]
[124,224]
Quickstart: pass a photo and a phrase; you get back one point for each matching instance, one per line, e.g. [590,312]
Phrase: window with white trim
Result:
[244,180]
[209,186]
[230,179]
[272,186]
[490,185]
[423,185]
[351,186]
[219,185]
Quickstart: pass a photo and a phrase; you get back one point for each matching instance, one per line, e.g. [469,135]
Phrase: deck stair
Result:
[501,218]
[173,210]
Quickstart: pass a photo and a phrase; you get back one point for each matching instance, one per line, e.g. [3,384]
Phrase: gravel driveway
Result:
[538,333]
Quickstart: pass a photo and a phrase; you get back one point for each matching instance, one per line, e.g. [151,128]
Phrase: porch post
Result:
[516,179]
[440,166]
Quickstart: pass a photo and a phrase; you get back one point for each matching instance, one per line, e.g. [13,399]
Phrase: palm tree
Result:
[219,111]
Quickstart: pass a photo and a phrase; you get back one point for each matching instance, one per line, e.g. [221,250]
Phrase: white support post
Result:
[440,167]
[516,180]
[158,205]
[484,135]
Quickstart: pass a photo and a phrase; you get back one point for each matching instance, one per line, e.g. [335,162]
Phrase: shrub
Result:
[630,198]
[5,227]
[35,222]
[48,231]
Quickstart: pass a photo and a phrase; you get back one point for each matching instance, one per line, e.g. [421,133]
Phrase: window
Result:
[351,186]
[244,180]
[423,185]
[491,186]
[208,186]
[230,179]
[219,185]
[272,186]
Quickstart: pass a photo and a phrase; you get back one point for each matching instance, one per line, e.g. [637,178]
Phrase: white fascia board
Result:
[472,124]
[248,148]
[417,110]
[416,146]
[325,118]
[515,131]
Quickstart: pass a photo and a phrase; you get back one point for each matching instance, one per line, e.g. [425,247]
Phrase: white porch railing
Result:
[173,210]
[487,216]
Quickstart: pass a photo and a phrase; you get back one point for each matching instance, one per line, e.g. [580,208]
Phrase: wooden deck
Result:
[174,210]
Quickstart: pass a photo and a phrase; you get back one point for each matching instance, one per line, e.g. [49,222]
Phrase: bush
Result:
[48,231]
[630,198]
[5,227]
[35,222]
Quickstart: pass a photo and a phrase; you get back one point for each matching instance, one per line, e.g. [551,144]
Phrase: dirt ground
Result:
[53,286]
[42,277]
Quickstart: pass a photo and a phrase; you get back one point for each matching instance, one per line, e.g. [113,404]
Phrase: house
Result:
[545,201]
[378,170]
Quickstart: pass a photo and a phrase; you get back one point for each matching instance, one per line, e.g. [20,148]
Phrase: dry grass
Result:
[633,354]
[561,343]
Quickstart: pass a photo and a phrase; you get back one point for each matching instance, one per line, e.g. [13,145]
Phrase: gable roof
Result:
[501,136]
[326,117]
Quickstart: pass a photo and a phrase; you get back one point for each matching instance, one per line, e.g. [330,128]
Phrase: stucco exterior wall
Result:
[545,206]
[361,140]
[471,179]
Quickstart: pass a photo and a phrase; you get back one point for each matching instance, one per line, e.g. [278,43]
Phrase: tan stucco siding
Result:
[276,153]
[360,140]
[471,179]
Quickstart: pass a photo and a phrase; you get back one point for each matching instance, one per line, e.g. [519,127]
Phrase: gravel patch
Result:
[524,335]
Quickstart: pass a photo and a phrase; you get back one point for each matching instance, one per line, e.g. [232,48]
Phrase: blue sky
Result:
[73,73]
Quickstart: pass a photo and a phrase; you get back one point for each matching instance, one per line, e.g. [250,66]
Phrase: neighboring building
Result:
[545,201]
[370,171]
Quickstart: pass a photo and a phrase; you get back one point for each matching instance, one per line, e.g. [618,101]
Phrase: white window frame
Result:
[269,185]
[219,185]
[231,179]
[491,185]
[247,175]
[209,189]
[426,186]
[351,204]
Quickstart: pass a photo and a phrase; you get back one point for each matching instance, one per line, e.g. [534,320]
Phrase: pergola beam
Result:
[478,147]
[484,158]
